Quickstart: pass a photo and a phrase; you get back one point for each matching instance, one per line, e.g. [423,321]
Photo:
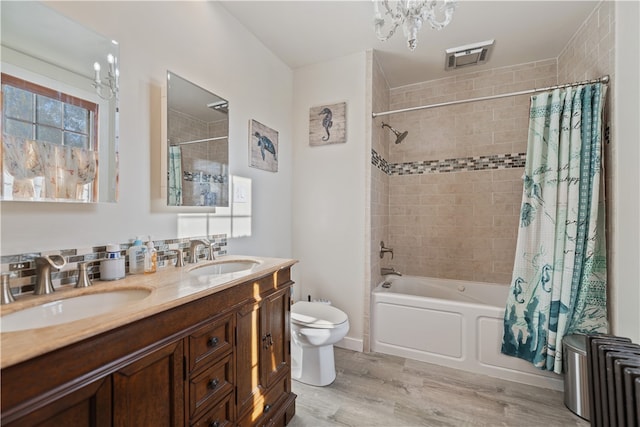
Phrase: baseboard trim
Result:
[351,344]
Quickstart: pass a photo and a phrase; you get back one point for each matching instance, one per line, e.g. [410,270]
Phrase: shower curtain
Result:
[175,176]
[559,277]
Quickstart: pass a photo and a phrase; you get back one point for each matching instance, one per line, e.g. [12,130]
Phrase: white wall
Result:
[329,191]
[199,41]
[626,130]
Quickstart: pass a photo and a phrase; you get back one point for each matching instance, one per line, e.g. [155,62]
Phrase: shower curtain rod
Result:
[199,140]
[603,79]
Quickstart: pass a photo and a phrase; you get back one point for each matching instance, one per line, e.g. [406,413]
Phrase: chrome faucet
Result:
[193,248]
[43,272]
[385,271]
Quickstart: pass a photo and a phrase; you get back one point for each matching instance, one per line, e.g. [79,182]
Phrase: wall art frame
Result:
[263,147]
[328,124]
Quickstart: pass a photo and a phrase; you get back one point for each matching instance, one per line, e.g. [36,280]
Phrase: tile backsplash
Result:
[23,273]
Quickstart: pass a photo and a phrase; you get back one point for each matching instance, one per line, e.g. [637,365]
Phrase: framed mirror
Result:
[197,153]
[59,108]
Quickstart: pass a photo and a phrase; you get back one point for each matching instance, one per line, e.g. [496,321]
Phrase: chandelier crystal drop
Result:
[411,14]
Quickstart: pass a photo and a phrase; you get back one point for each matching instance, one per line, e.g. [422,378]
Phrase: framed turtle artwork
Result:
[328,124]
[263,147]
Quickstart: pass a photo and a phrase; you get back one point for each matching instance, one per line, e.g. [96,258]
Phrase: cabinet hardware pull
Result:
[214,424]
[213,383]
[212,342]
[267,341]
[267,408]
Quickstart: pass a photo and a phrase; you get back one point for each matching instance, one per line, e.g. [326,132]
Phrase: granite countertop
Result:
[170,287]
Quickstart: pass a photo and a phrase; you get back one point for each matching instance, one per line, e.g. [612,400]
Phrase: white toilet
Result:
[315,327]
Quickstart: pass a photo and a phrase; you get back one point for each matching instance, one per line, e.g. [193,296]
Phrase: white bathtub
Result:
[452,323]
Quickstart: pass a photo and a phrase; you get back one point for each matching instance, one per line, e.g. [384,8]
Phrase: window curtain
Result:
[558,285]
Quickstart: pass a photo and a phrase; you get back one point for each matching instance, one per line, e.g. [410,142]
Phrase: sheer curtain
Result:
[559,277]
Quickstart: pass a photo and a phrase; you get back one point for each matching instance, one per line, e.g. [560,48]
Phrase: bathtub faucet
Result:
[385,271]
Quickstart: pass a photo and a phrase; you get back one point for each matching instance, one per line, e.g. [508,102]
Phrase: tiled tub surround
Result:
[454,192]
[456,218]
[23,273]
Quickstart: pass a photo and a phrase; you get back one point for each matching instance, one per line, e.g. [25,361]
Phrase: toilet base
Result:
[312,365]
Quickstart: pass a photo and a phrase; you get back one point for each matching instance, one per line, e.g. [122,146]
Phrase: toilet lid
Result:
[317,315]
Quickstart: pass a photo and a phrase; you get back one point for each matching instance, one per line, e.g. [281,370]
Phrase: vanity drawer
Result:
[211,385]
[267,405]
[212,340]
[220,415]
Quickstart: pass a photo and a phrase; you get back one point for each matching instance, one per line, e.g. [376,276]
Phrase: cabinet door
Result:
[248,352]
[88,406]
[150,391]
[276,354]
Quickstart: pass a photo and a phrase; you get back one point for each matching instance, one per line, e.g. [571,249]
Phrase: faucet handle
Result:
[7,296]
[384,250]
[179,258]
[83,275]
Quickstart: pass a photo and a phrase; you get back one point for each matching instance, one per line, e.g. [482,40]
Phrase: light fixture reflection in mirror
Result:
[109,87]
[197,145]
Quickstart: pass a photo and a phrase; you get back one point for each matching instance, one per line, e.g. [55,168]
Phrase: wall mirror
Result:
[197,155]
[59,108]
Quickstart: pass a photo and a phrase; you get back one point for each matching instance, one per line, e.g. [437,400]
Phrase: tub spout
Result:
[384,271]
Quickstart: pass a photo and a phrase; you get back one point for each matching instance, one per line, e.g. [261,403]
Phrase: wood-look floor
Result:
[380,390]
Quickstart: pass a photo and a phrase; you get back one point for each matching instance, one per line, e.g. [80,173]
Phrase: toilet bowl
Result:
[315,327]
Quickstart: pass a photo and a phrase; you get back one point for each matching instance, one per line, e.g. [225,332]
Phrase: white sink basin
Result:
[70,309]
[223,267]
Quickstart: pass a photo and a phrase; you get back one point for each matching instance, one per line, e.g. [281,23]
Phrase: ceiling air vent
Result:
[471,54]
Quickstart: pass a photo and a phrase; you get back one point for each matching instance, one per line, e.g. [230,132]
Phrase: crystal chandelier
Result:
[411,14]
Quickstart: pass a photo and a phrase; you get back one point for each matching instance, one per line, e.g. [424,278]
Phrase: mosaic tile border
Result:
[462,164]
[23,273]
[378,161]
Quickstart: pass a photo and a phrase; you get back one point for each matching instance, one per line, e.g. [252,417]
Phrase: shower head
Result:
[400,136]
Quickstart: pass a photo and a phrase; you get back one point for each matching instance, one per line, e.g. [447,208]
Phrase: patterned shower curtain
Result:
[175,176]
[559,276]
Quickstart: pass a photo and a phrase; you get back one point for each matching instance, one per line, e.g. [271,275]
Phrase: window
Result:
[49,144]
[38,113]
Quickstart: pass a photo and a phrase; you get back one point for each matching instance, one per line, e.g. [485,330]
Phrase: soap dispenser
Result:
[150,258]
[136,256]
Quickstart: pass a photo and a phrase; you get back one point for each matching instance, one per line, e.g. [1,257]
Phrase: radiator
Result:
[613,368]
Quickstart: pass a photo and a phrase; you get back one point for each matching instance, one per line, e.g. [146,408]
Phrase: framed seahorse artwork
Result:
[328,124]
[263,147]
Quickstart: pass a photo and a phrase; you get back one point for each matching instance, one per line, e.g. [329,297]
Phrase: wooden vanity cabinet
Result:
[264,376]
[222,360]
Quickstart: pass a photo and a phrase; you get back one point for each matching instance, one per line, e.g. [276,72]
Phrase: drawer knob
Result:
[214,424]
[213,383]
[267,408]
[212,342]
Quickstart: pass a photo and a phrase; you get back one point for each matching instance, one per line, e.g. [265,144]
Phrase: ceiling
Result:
[301,33]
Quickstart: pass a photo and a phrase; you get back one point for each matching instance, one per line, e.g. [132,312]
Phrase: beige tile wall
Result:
[461,225]
[379,194]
